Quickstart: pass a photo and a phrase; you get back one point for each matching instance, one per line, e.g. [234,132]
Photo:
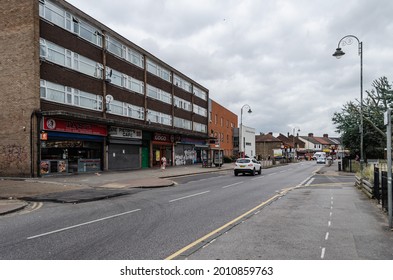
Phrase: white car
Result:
[247,165]
[321,159]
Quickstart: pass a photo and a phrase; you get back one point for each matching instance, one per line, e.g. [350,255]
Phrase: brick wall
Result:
[19,80]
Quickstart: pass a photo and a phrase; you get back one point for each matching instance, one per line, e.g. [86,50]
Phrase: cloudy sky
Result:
[274,55]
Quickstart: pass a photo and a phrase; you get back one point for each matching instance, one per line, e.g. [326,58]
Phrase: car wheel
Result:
[260,171]
[236,173]
[253,172]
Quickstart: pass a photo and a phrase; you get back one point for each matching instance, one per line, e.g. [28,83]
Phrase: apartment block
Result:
[79,97]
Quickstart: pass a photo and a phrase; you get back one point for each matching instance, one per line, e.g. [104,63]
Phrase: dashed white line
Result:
[231,185]
[329,223]
[323,253]
[188,196]
[83,224]
[327,236]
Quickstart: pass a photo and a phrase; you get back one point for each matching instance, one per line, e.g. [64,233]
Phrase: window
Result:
[200,110]
[70,96]
[199,127]
[157,117]
[159,94]
[125,109]
[182,83]
[122,80]
[182,123]
[158,70]
[69,59]
[183,104]
[60,17]
[120,50]
[200,93]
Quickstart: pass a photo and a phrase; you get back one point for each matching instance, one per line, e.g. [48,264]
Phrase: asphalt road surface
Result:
[152,223]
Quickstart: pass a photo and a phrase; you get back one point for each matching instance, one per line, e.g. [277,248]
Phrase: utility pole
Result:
[388,122]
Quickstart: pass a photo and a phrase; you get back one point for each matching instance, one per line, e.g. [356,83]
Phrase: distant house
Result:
[320,144]
[266,144]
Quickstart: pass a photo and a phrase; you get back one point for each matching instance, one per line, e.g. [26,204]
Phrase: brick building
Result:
[222,124]
[79,97]
[266,144]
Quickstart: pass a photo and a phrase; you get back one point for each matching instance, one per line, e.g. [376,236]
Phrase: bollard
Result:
[339,166]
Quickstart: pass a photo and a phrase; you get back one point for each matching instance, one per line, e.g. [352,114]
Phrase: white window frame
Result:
[158,117]
[64,57]
[183,104]
[70,96]
[67,21]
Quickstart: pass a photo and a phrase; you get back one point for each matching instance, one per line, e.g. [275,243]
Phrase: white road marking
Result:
[323,253]
[231,185]
[327,236]
[309,182]
[83,224]
[188,196]
[329,223]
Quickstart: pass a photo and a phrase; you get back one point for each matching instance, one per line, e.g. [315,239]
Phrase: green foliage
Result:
[347,122]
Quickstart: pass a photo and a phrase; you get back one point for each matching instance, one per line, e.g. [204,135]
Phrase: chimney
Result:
[271,133]
[311,135]
[325,136]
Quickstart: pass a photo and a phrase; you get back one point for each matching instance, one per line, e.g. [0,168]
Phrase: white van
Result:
[318,154]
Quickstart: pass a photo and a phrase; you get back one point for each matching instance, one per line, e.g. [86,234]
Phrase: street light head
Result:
[338,53]
[249,111]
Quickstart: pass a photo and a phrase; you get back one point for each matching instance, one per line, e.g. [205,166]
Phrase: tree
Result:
[347,122]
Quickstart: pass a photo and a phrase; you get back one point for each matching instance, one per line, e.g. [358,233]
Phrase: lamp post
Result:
[348,40]
[241,141]
[293,134]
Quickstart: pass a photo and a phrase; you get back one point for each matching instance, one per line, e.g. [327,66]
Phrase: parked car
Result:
[247,165]
[321,159]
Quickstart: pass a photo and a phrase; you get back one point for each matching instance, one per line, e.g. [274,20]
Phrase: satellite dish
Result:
[109,98]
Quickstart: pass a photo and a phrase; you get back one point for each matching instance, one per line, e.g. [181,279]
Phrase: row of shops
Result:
[68,146]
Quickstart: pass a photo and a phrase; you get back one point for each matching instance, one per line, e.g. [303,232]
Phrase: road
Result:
[148,224]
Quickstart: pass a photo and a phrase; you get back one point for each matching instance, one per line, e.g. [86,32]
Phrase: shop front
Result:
[189,151]
[162,146]
[124,148]
[69,146]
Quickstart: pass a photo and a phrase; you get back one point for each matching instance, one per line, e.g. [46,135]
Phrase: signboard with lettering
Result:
[159,137]
[122,132]
[71,126]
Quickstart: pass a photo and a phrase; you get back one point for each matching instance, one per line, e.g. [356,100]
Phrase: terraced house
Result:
[78,97]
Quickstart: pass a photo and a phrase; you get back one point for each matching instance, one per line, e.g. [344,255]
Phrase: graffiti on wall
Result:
[12,157]
[187,157]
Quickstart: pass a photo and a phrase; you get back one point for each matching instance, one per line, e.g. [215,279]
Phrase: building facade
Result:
[247,141]
[266,145]
[222,124]
[78,97]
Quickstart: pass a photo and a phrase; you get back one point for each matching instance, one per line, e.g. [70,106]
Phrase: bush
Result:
[227,159]
[368,172]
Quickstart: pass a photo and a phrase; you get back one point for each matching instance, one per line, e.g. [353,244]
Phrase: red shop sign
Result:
[52,124]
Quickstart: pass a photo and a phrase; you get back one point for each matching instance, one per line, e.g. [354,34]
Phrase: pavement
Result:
[16,193]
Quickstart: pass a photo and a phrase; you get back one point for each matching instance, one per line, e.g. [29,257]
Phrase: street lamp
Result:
[293,134]
[348,40]
[241,141]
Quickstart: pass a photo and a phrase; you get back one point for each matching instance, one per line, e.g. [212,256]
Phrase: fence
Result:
[379,189]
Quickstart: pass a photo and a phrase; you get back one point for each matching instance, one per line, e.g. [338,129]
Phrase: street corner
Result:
[8,206]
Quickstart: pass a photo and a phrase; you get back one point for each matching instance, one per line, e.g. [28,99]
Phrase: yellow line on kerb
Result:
[226,225]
